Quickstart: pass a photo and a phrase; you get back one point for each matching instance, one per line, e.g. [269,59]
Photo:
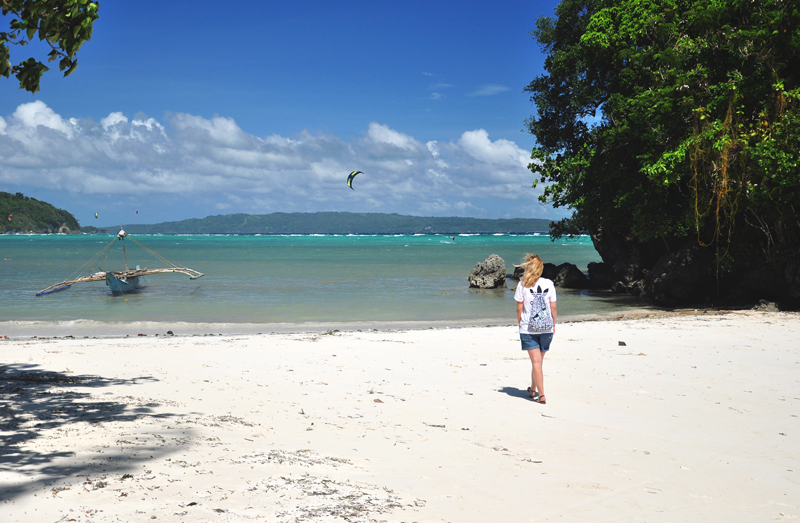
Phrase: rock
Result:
[565,275]
[570,277]
[550,271]
[489,274]
[683,276]
[619,287]
[791,280]
[636,288]
[626,260]
[600,275]
[622,258]
[766,306]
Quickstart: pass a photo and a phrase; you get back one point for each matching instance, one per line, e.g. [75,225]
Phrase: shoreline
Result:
[94,329]
[693,418]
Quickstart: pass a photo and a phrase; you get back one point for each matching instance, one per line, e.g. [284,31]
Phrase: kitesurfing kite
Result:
[350,178]
[95,216]
[137,213]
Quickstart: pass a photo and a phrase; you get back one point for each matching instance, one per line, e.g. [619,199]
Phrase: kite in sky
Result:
[350,179]
[95,216]
[137,213]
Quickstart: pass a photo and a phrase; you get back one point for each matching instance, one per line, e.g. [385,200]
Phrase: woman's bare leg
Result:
[537,377]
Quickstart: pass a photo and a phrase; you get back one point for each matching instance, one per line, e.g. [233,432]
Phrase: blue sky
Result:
[183,109]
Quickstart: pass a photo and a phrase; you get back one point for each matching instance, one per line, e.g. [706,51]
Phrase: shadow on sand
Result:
[515,392]
[33,400]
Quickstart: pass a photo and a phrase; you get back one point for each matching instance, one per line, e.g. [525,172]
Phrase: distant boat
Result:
[124,281]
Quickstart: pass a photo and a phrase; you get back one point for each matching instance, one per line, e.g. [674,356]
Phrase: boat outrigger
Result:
[119,282]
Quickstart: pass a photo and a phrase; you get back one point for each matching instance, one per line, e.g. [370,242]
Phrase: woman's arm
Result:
[519,312]
[553,313]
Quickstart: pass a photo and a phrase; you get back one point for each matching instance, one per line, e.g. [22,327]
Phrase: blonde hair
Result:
[533,270]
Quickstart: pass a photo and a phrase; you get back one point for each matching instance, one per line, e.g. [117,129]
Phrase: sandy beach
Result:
[694,418]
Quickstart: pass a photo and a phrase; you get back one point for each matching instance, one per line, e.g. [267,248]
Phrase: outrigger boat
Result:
[120,282]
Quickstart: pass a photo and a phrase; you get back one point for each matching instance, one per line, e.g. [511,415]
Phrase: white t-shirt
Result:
[536,315]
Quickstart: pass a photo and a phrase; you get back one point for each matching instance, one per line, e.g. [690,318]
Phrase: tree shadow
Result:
[515,392]
[33,400]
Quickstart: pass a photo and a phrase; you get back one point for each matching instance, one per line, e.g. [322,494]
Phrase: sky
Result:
[189,109]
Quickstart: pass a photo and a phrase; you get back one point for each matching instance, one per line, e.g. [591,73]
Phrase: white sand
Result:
[695,419]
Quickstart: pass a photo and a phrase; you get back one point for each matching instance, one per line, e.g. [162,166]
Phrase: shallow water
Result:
[256,283]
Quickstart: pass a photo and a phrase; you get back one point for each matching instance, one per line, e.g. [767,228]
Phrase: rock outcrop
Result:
[600,275]
[682,276]
[489,274]
[570,277]
[766,306]
[566,275]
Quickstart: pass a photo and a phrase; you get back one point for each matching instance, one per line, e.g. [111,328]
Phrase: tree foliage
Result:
[64,25]
[22,213]
[674,119]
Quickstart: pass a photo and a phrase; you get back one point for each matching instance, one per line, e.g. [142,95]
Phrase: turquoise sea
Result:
[278,283]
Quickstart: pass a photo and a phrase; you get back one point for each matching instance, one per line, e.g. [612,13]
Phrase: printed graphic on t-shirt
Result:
[540,320]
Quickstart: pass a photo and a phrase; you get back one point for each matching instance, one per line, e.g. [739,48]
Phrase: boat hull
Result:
[122,285]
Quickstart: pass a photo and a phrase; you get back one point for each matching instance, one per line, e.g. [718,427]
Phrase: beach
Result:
[663,417]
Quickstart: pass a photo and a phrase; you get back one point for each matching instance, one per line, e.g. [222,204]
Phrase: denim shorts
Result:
[536,341]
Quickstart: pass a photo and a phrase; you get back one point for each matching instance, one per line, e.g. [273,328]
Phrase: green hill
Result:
[339,223]
[20,213]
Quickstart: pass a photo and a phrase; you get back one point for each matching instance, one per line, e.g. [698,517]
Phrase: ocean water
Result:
[272,283]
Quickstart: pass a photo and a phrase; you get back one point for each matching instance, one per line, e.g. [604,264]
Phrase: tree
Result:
[699,127]
[64,25]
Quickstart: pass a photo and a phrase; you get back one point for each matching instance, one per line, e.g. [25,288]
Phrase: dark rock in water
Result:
[570,277]
[619,287]
[565,275]
[489,274]
[766,306]
[636,288]
[682,276]
[600,275]
[550,271]
[622,258]
[628,261]
[678,270]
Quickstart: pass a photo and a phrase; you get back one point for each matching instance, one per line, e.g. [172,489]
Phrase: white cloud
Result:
[189,158]
[489,90]
[500,153]
[113,119]
[383,134]
[36,114]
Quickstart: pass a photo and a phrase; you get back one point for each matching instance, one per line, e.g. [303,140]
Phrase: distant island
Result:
[338,223]
[23,214]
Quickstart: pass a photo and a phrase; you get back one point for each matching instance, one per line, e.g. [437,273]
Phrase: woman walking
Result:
[536,315]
